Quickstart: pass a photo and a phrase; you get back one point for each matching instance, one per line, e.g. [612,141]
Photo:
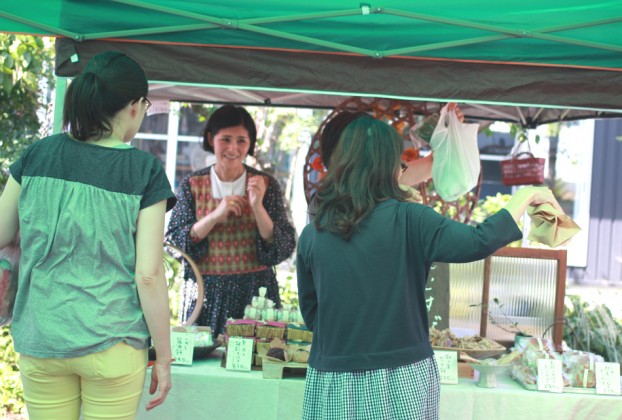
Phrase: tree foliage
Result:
[26,83]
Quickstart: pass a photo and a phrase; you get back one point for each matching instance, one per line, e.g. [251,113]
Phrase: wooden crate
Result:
[276,370]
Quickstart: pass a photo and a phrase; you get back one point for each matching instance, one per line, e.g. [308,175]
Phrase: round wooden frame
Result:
[201,287]
[401,115]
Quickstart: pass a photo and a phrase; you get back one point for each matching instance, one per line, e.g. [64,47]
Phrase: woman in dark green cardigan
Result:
[362,268]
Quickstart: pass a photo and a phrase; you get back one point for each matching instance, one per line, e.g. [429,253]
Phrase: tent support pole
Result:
[151,31]
[172,137]
[59,104]
[52,29]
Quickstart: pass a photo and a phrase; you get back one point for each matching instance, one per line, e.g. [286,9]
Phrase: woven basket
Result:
[240,330]
[522,171]
[269,332]
[197,274]
[296,334]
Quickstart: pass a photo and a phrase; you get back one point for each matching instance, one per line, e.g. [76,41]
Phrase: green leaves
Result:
[288,289]
[26,83]
[592,329]
[11,395]
[521,134]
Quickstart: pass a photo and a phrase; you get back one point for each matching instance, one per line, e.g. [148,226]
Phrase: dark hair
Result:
[333,130]
[230,116]
[363,173]
[109,82]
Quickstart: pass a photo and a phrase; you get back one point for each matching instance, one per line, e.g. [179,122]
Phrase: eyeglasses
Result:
[404,166]
[148,103]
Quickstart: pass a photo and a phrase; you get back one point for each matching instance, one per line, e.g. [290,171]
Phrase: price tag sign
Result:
[550,375]
[447,362]
[182,347]
[240,353]
[607,378]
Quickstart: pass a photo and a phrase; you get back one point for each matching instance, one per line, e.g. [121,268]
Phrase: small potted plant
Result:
[502,320]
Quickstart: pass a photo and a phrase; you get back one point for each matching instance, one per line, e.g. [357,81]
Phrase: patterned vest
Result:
[231,248]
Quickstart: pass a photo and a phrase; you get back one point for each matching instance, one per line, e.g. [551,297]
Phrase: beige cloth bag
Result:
[550,226]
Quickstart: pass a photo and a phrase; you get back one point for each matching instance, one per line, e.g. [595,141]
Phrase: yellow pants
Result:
[107,384]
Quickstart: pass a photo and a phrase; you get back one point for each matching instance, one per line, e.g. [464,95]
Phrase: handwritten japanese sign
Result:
[550,375]
[447,362]
[607,378]
[182,347]
[239,353]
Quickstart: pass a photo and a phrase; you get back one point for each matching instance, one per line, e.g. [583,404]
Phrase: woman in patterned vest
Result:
[231,220]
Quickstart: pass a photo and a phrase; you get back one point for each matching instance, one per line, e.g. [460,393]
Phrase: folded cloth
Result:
[550,226]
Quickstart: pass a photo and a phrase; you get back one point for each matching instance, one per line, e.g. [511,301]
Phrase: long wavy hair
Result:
[363,172]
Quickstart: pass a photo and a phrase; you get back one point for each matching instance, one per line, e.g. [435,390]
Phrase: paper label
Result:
[447,362]
[182,347]
[607,378]
[550,375]
[239,353]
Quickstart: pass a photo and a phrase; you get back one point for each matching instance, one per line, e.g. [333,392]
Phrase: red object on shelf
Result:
[523,171]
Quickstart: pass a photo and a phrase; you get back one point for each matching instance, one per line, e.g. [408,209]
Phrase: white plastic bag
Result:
[456,165]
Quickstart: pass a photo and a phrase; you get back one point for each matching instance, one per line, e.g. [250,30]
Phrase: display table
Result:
[510,400]
[205,390]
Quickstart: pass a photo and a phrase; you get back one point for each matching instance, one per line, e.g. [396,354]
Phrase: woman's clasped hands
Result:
[231,205]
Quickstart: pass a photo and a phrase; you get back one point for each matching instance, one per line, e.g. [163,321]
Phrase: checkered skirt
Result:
[407,392]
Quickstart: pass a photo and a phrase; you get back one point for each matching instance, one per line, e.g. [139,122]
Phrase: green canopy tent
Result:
[532,62]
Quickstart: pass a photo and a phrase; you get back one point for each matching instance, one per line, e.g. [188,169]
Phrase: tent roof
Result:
[541,53]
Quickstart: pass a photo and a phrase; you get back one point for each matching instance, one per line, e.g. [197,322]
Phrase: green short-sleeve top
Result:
[78,212]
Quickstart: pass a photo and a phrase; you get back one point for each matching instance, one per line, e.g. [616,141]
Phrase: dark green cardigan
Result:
[364,299]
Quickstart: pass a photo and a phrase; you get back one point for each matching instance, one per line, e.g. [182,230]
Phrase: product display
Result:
[578,367]
[279,334]
[277,353]
[263,309]
[474,345]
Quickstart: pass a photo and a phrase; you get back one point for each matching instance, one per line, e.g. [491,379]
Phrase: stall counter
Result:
[206,390]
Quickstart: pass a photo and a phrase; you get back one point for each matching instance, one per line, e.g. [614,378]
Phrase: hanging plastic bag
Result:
[9,263]
[456,165]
